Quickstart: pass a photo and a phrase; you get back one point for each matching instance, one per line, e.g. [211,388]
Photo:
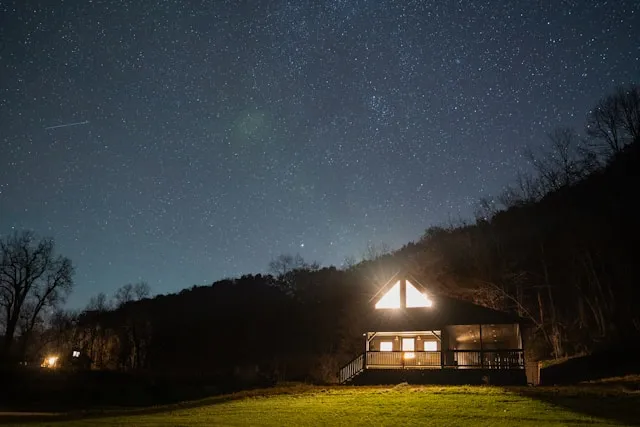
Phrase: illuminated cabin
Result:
[417,337]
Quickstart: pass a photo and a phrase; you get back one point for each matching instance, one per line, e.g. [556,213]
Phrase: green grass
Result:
[380,406]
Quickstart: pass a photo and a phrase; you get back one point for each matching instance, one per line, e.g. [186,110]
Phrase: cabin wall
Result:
[396,340]
[457,337]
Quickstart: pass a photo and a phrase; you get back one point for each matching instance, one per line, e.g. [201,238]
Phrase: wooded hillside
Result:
[557,248]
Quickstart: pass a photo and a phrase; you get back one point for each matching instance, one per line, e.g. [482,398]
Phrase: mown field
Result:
[379,406]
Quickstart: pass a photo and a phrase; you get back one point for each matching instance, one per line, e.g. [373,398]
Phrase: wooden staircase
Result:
[352,369]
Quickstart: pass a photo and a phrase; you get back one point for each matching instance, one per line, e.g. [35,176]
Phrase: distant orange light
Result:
[50,362]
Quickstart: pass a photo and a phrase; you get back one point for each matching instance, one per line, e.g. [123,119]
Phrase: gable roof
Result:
[443,312]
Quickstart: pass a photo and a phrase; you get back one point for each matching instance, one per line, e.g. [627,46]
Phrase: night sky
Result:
[221,134]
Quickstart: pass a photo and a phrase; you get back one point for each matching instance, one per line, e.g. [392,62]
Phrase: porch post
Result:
[524,360]
[481,349]
[366,350]
[443,335]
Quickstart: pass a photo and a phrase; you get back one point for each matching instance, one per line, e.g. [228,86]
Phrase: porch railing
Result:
[404,358]
[488,359]
[463,359]
[503,359]
[351,369]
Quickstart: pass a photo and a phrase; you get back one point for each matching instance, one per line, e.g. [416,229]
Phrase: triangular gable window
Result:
[413,297]
[391,299]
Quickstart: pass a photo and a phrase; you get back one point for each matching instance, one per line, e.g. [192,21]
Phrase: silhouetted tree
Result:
[615,121]
[95,334]
[374,251]
[32,279]
[284,268]
[133,325]
[563,162]
[131,292]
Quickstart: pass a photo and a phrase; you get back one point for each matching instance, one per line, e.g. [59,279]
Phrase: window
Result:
[464,337]
[408,344]
[431,346]
[415,298]
[391,299]
[386,346]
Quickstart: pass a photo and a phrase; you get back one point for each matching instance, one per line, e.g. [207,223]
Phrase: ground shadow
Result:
[37,395]
[607,403]
[27,418]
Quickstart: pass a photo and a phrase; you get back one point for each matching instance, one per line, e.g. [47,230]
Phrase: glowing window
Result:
[408,344]
[430,346]
[415,298]
[76,353]
[391,299]
[386,346]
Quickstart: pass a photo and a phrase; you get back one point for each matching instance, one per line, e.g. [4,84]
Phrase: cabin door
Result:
[408,351]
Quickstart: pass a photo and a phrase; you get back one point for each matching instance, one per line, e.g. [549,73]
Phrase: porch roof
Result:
[444,311]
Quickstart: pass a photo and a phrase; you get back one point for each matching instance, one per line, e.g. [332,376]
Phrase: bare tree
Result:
[485,209]
[284,268]
[60,335]
[94,335]
[375,251]
[286,263]
[135,329]
[99,303]
[32,279]
[564,142]
[527,189]
[604,125]
[615,120]
[548,177]
[562,162]
[349,262]
[131,292]
[630,111]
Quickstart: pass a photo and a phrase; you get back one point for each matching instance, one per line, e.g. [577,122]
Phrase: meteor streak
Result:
[67,125]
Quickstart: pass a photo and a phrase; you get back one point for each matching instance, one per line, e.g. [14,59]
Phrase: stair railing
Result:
[351,369]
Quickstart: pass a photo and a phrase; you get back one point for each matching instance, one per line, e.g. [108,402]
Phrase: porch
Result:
[492,347]
[448,360]
[491,360]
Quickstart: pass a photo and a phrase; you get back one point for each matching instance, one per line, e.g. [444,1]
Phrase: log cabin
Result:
[415,336]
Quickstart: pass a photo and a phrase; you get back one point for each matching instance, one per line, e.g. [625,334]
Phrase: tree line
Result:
[557,248]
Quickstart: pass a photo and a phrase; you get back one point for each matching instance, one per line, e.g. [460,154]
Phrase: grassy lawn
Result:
[399,405]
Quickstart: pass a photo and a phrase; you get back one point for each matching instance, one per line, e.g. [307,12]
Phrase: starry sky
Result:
[212,136]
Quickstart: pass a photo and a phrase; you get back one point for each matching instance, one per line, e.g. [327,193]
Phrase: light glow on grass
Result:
[399,405]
